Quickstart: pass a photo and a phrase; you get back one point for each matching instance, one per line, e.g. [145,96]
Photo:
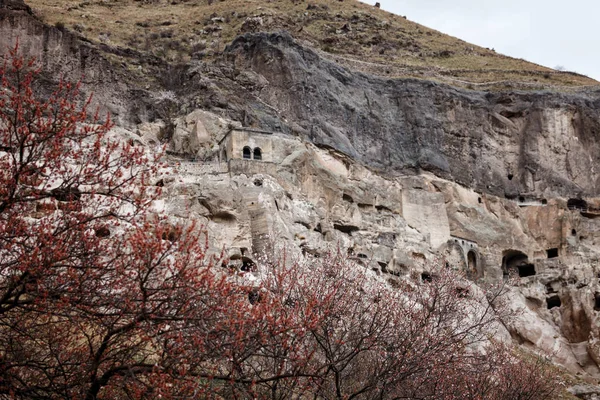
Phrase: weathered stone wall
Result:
[426,212]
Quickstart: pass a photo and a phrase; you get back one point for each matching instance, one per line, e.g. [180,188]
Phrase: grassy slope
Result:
[351,32]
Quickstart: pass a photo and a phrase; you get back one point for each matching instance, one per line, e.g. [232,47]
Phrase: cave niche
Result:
[577,204]
[552,253]
[553,301]
[517,262]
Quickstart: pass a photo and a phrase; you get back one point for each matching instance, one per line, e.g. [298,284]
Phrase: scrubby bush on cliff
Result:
[99,299]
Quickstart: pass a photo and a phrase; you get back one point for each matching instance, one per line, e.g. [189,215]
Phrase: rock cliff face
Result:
[507,144]
[397,173]
[63,55]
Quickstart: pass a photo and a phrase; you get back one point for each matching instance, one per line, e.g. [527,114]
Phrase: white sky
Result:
[547,32]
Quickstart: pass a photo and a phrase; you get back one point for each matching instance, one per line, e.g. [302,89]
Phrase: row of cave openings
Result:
[249,154]
[576,204]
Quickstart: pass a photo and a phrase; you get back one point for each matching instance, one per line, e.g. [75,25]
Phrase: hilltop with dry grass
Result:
[349,32]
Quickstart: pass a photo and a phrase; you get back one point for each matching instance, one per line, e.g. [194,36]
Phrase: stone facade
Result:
[246,144]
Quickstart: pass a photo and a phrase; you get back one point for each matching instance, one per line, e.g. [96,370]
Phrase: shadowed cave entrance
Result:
[553,301]
[577,204]
[517,262]
[472,265]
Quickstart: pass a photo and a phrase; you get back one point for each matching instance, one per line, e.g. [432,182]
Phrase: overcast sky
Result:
[547,32]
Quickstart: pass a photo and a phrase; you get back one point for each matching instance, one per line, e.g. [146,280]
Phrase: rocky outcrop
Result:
[62,54]
[508,144]
[397,173]
[314,199]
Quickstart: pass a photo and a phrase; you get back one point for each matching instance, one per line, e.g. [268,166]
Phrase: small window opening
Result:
[573,232]
[552,253]
[258,182]
[544,202]
[248,265]
[521,199]
[553,302]
[247,153]
[426,277]
[160,183]
[102,232]
[479,200]
[257,154]
[348,229]
[348,198]
[66,194]
[526,270]
[253,297]
[383,266]
[597,302]
[510,177]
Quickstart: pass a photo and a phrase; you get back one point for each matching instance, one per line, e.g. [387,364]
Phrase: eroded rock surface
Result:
[314,199]
[398,173]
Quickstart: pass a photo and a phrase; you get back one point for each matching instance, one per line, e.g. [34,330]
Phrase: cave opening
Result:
[514,261]
[102,232]
[471,264]
[248,265]
[577,204]
[552,253]
[553,301]
[426,277]
[67,194]
[253,297]
[347,229]
[526,270]
[383,266]
[597,302]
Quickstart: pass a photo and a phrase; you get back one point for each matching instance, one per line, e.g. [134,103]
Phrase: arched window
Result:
[257,154]
[247,153]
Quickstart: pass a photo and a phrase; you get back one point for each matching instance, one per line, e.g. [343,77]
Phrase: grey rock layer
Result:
[509,144]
